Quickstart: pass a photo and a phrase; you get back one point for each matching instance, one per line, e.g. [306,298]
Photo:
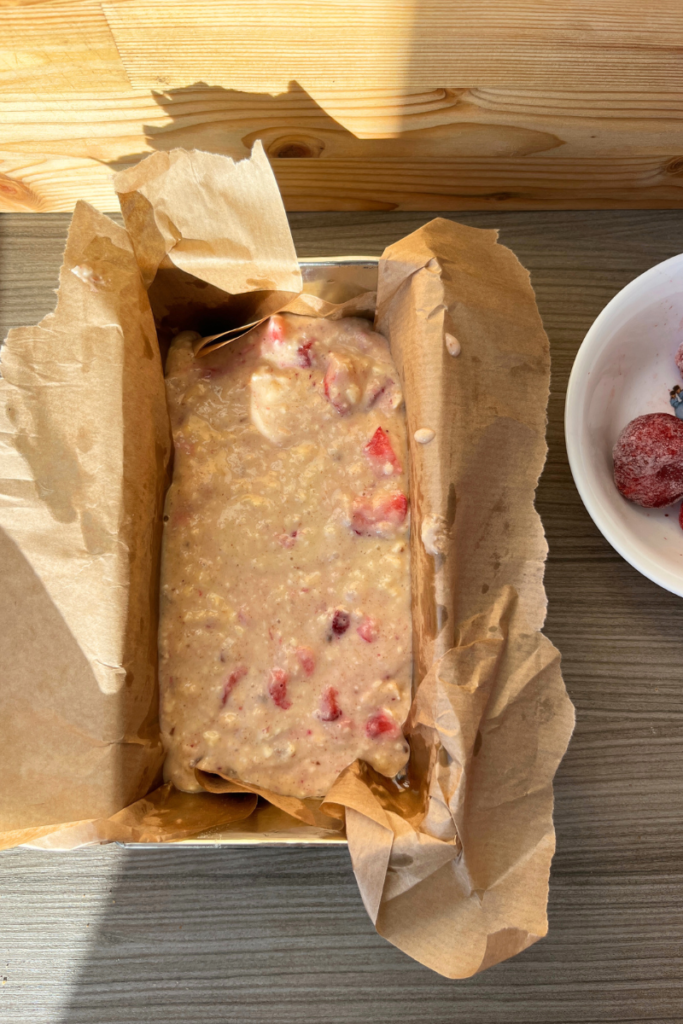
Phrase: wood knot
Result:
[675,166]
[16,196]
[295,148]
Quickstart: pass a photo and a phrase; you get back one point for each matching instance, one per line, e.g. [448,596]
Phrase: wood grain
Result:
[263,45]
[68,48]
[365,104]
[448,149]
[110,936]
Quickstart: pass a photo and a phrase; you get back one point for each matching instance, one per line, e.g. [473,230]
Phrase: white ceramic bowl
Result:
[625,368]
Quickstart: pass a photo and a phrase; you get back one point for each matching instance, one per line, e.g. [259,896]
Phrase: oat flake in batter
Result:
[285,636]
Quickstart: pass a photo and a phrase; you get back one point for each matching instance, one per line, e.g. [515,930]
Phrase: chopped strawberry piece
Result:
[277,688]
[280,348]
[276,329]
[375,390]
[382,392]
[341,383]
[384,514]
[396,506]
[307,659]
[304,354]
[329,708]
[231,681]
[381,455]
[379,724]
[340,622]
[368,630]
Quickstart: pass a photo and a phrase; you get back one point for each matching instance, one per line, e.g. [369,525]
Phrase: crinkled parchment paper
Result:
[453,868]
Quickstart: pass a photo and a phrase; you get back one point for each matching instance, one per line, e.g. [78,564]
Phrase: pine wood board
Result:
[38,183]
[381,149]
[365,104]
[68,47]
[230,936]
[266,44]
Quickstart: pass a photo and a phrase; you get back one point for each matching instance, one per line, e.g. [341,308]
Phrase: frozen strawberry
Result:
[380,724]
[277,688]
[368,630]
[381,455]
[342,383]
[380,516]
[329,706]
[231,682]
[340,622]
[306,659]
[648,460]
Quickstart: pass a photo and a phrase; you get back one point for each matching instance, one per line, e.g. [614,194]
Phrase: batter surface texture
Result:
[285,635]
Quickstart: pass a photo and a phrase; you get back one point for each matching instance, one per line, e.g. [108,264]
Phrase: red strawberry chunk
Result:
[329,707]
[306,659]
[381,392]
[340,622]
[277,688]
[276,329]
[280,348]
[231,682]
[304,354]
[379,724]
[375,390]
[379,516]
[368,630]
[381,455]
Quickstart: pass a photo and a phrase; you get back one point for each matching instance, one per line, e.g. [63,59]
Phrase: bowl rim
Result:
[574,412]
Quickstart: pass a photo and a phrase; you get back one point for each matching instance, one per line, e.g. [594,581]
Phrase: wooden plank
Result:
[265,44]
[166,936]
[38,183]
[421,124]
[381,149]
[65,48]
[35,183]
[538,105]
[479,184]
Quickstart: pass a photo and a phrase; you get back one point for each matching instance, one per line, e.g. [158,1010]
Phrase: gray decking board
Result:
[106,935]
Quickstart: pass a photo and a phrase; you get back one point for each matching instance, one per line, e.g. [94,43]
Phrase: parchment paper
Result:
[452,868]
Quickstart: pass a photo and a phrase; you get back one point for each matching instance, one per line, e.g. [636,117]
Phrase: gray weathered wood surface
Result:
[106,936]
